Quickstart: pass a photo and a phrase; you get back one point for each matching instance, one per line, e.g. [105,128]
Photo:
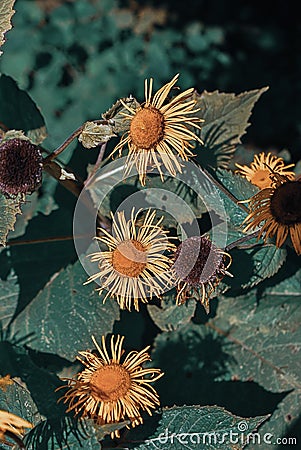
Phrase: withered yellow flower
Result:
[263,167]
[160,132]
[278,211]
[199,266]
[113,388]
[135,267]
[12,426]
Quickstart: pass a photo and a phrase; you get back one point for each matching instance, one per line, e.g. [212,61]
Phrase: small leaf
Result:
[201,427]
[171,316]
[6,13]
[115,115]
[38,135]
[9,294]
[9,208]
[225,121]
[12,134]
[62,309]
[93,134]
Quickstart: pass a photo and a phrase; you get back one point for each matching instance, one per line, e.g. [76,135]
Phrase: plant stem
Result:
[64,145]
[242,240]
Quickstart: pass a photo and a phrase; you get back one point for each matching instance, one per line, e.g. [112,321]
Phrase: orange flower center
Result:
[129,258]
[147,128]
[261,178]
[110,383]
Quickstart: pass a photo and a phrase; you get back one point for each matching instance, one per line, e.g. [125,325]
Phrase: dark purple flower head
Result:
[20,167]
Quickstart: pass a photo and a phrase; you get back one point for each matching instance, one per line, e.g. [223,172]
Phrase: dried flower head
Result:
[199,267]
[134,267]
[12,427]
[5,382]
[20,167]
[278,211]
[113,388]
[263,167]
[160,132]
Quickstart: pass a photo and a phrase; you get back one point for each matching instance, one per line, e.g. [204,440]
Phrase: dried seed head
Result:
[20,167]
[207,258]
[199,267]
[286,203]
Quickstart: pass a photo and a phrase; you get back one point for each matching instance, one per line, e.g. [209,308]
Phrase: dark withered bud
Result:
[20,167]
[199,267]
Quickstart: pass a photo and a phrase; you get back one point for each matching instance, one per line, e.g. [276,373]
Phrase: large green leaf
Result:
[263,338]
[6,13]
[201,427]
[9,293]
[9,208]
[169,316]
[225,121]
[16,399]
[65,313]
[241,189]
[17,110]
[263,341]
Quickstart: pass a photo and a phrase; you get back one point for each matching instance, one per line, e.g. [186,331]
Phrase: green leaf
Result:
[9,293]
[17,110]
[263,338]
[6,13]
[115,115]
[241,189]
[201,427]
[170,316]
[65,314]
[225,121]
[9,208]
[259,262]
[285,415]
[16,399]
[28,209]
[266,261]
[93,135]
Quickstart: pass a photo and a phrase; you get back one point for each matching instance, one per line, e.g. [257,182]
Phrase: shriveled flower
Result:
[5,382]
[134,267]
[199,267]
[13,427]
[278,211]
[20,167]
[160,132]
[113,388]
[263,167]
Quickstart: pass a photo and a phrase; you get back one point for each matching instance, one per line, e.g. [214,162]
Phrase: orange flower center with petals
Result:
[110,383]
[147,128]
[261,178]
[129,258]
